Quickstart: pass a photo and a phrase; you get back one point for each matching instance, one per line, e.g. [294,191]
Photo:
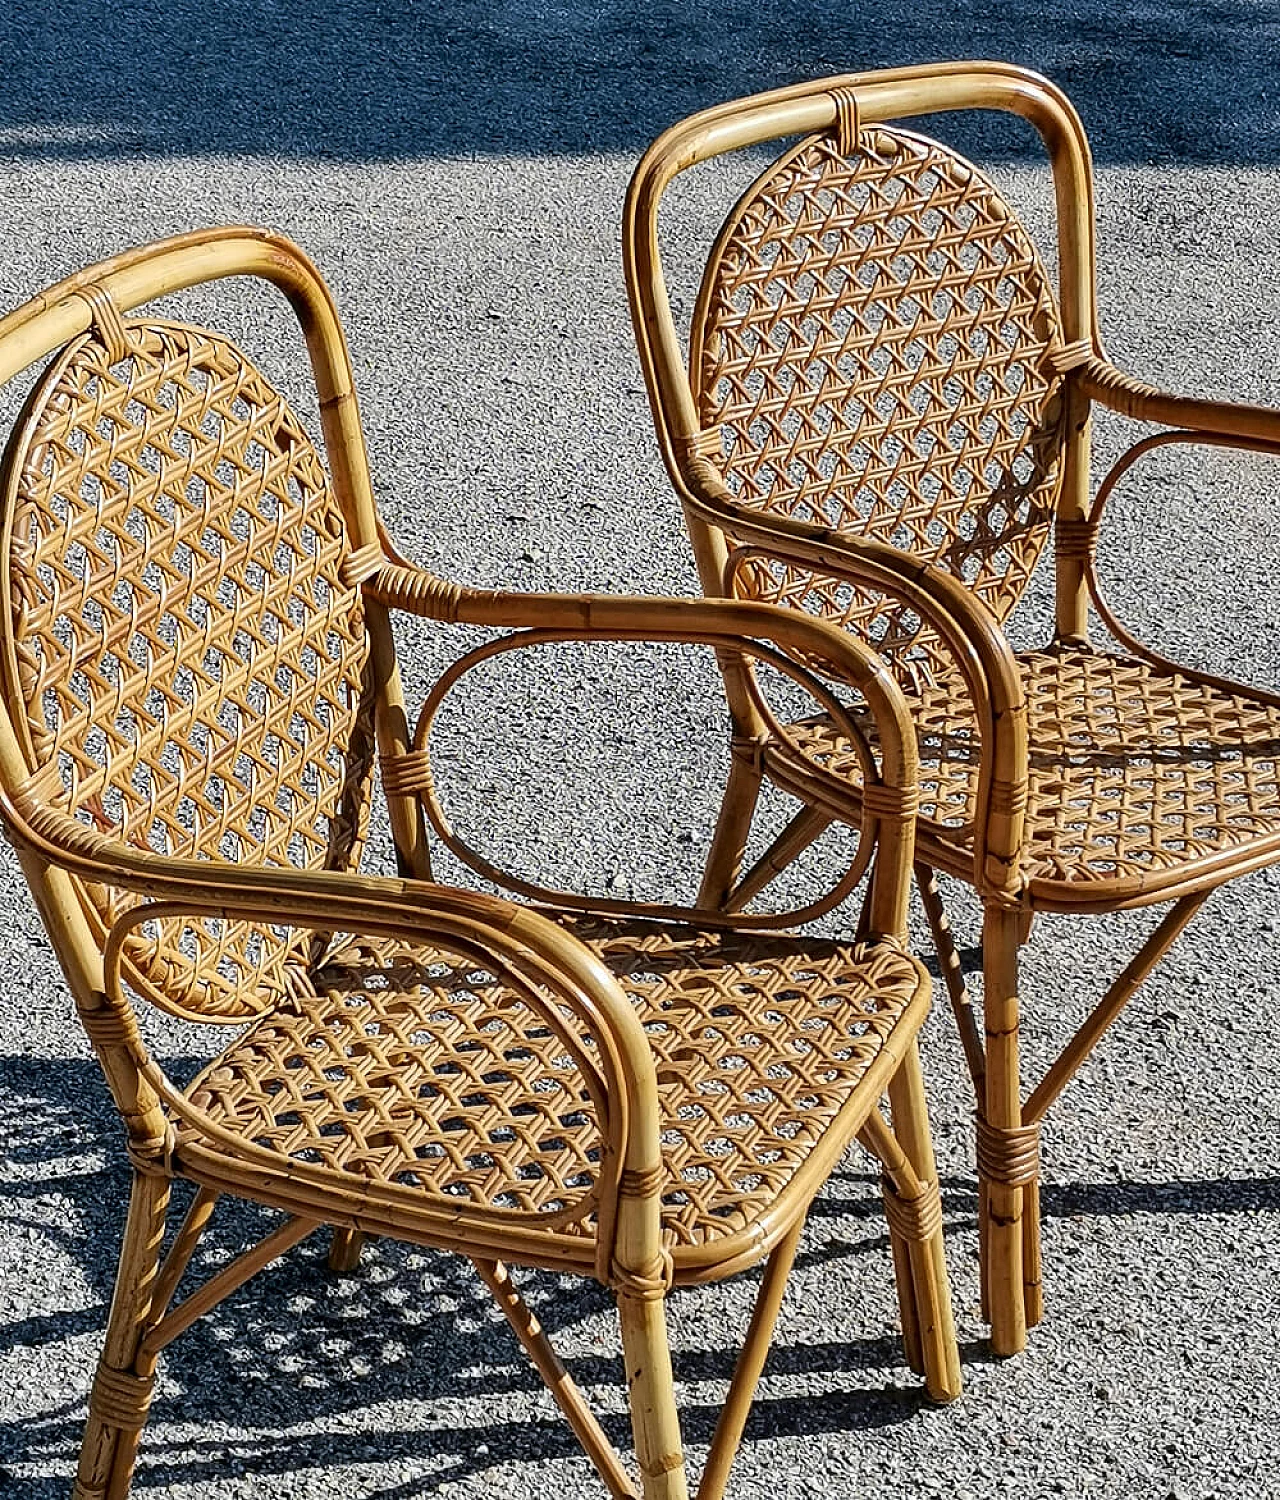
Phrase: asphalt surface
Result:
[457,172]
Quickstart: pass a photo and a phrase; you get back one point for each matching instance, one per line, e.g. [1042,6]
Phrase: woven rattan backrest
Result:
[870,353]
[189,661]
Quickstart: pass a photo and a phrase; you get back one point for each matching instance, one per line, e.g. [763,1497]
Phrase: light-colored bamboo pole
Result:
[904,1282]
[936,1322]
[1003,1201]
[750,1366]
[1126,985]
[556,1378]
[733,826]
[807,825]
[121,1395]
[953,976]
[242,1269]
[655,1425]
[1032,1255]
[184,1244]
[924,1293]
[344,1250]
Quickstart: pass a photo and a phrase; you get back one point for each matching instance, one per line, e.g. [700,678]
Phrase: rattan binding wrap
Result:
[872,348]
[190,657]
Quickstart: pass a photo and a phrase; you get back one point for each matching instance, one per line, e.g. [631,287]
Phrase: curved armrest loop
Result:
[886,805]
[971,633]
[491,928]
[534,961]
[714,622]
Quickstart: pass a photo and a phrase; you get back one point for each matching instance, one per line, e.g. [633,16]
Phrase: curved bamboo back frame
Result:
[842,110]
[71,804]
[183,638]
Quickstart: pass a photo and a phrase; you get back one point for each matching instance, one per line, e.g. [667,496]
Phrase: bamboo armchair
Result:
[199,683]
[883,416]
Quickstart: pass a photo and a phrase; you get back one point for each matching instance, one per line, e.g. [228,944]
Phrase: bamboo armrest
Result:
[977,645]
[1110,387]
[713,622]
[327,899]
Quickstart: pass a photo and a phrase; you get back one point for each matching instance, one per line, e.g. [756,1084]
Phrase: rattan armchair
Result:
[199,686]
[882,417]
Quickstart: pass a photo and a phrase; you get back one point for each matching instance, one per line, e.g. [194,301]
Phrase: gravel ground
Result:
[457,172]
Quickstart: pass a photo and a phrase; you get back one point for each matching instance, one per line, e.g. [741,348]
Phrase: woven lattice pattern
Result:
[1133,770]
[870,350]
[416,1068]
[189,657]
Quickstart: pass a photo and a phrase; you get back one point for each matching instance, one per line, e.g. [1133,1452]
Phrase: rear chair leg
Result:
[121,1394]
[733,826]
[914,1212]
[344,1250]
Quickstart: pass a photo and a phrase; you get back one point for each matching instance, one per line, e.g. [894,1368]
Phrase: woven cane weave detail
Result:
[1132,770]
[188,653]
[414,1068]
[874,354]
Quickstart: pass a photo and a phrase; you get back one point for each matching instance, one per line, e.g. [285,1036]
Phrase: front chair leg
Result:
[1008,1157]
[121,1395]
[655,1423]
[914,1211]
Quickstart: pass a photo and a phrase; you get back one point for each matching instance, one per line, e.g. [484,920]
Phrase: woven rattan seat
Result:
[407,1070]
[880,417]
[1137,776]
[200,689]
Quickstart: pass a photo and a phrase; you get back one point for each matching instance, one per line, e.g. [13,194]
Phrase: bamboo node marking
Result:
[1009,798]
[665,1463]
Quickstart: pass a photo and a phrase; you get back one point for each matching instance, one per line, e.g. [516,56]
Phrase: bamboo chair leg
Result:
[913,1207]
[984,1251]
[807,825]
[747,1372]
[344,1250]
[733,826]
[1032,1266]
[655,1425]
[121,1393]
[953,975]
[557,1379]
[1006,1150]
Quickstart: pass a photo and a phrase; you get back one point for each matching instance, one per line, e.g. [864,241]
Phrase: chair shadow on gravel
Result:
[300,1346]
[365,81]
